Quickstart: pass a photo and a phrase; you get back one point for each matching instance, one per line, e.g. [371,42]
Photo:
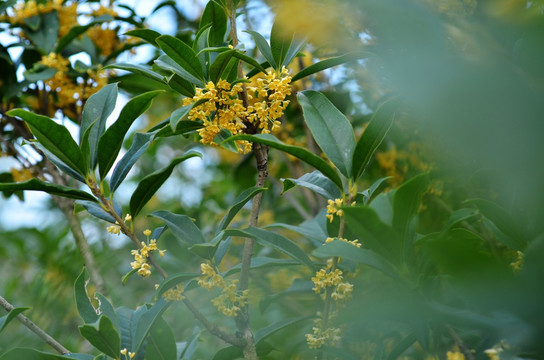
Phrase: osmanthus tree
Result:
[367,282]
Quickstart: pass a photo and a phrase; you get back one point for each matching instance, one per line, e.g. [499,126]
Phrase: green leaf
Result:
[373,233]
[105,338]
[6,4]
[239,203]
[29,354]
[78,30]
[96,210]
[183,127]
[145,322]
[106,308]
[166,63]
[182,113]
[181,85]
[173,280]
[39,73]
[296,46]
[275,241]
[406,204]
[182,54]
[348,251]
[12,314]
[330,128]
[280,42]
[149,185]
[111,141]
[296,151]
[182,226]
[215,16]
[316,182]
[137,69]
[374,190]
[206,251]
[127,276]
[161,344]
[261,262]
[219,65]
[146,34]
[53,189]
[327,63]
[249,60]
[95,113]
[54,137]
[140,142]
[201,42]
[58,163]
[458,216]
[83,304]
[271,329]
[504,221]
[372,137]
[310,229]
[45,37]
[263,47]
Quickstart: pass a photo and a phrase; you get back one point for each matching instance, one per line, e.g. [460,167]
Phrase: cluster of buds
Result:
[230,301]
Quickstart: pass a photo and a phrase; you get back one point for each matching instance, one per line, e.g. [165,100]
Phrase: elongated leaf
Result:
[255,71]
[201,42]
[310,229]
[458,216]
[105,338]
[6,4]
[182,226]
[296,46]
[173,280]
[215,16]
[83,304]
[58,163]
[249,60]
[149,185]
[372,137]
[275,241]
[183,127]
[140,142]
[39,73]
[78,30]
[12,314]
[182,113]
[263,47]
[260,262]
[328,63]
[106,308]
[53,189]
[145,322]
[373,233]
[265,332]
[111,141]
[296,151]
[375,189]
[239,203]
[219,65]
[167,63]
[137,69]
[181,85]
[406,203]
[348,251]
[147,34]
[161,344]
[182,54]
[280,42]
[96,210]
[29,354]
[45,37]
[330,128]
[316,182]
[96,111]
[54,137]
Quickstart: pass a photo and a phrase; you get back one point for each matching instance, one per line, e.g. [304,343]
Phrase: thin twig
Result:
[35,328]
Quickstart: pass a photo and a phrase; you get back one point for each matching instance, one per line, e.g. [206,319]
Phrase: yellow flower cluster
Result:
[130,354]
[352,242]
[114,229]
[455,355]
[142,255]
[105,39]
[28,9]
[223,108]
[174,294]
[230,301]
[67,18]
[332,208]
[518,264]
[320,337]
[328,278]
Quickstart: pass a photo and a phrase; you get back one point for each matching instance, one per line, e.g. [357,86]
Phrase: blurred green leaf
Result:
[173,280]
[143,320]
[215,17]
[161,344]
[263,47]
[96,210]
[372,137]
[330,128]
[54,137]
[111,141]
[45,36]
[259,262]
[219,65]
[326,64]
[104,337]
[375,189]
[39,73]
[182,227]
[296,151]
[137,69]
[29,354]
[406,205]
[147,34]
[271,329]
[78,30]
[280,43]
[84,306]
[149,185]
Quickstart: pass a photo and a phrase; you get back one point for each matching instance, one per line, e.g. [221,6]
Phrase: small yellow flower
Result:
[114,229]
[147,232]
[128,218]
[131,355]
[455,355]
[124,351]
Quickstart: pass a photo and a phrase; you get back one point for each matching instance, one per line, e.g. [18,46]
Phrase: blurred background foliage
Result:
[471,78]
